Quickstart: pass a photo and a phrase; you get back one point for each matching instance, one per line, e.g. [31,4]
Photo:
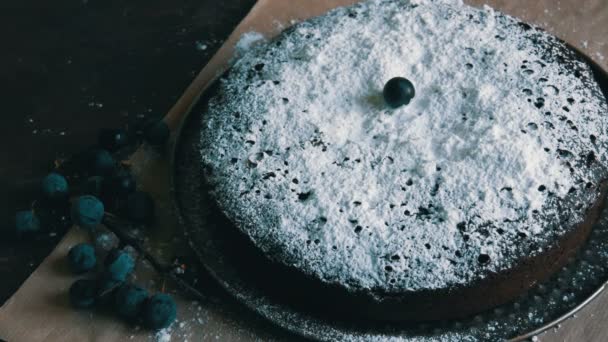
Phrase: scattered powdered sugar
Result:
[247,41]
[498,156]
[163,335]
[200,45]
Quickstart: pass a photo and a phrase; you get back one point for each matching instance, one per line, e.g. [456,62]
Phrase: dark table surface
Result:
[71,67]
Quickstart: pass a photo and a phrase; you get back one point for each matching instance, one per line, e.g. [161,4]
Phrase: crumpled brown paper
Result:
[39,310]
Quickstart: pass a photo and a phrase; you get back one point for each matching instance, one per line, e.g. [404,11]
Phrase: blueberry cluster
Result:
[111,287]
[84,190]
[108,185]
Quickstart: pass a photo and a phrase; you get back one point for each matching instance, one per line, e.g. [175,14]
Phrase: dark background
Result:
[71,67]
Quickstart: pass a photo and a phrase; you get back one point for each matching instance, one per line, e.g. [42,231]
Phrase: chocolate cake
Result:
[480,187]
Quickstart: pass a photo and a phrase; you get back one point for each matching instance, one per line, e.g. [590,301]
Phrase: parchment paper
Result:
[39,310]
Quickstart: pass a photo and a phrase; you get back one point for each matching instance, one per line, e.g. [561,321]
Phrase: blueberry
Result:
[107,288]
[54,186]
[81,258]
[119,265]
[115,190]
[83,293]
[104,241]
[87,211]
[398,91]
[156,132]
[140,207]
[112,139]
[159,311]
[94,186]
[129,301]
[120,184]
[26,222]
[99,162]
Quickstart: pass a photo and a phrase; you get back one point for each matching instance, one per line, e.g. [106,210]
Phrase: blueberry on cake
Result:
[422,158]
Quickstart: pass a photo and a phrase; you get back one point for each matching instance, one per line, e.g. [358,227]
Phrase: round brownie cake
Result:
[483,185]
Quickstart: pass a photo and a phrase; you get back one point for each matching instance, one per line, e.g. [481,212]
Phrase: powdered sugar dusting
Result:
[247,41]
[163,335]
[500,152]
